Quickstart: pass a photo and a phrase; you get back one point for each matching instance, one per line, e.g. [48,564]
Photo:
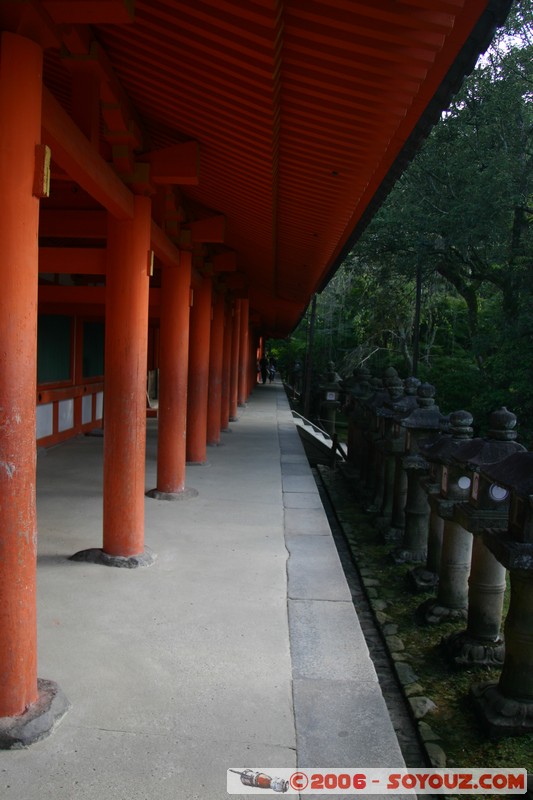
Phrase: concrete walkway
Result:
[239,647]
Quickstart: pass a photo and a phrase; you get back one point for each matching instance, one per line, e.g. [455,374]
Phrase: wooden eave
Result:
[301,113]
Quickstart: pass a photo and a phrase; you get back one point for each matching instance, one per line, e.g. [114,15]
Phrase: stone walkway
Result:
[239,647]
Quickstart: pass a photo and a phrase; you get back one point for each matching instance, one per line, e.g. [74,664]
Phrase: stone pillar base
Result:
[504,716]
[467,651]
[431,612]
[422,579]
[394,535]
[97,556]
[38,721]
[185,494]
[402,556]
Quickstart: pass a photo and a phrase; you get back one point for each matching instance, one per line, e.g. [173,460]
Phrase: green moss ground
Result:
[460,732]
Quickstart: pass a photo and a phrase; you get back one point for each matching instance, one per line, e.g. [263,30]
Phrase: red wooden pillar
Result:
[243,391]
[173,376]
[20,131]
[199,335]
[216,354]
[234,373]
[126,346]
[252,362]
[226,367]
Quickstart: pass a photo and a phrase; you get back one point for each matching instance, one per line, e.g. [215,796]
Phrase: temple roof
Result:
[294,116]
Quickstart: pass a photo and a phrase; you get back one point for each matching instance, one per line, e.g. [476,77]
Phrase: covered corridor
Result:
[239,647]
[177,180]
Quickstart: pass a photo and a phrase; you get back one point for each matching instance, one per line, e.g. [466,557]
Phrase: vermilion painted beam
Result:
[163,247]
[211,229]
[72,294]
[74,224]
[29,20]
[84,295]
[93,225]
[74,153]
[178,164]
[81,309]
[236,281]
[91,12]
[86,103]
[224,262]
[73,260]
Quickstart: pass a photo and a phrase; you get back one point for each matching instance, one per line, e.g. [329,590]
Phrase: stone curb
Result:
[417,702]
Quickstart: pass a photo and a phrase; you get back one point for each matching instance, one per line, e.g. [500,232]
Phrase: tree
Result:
[462,217]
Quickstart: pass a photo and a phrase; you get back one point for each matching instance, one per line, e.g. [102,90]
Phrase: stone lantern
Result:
[481,643]
[403,407]
[330,391]
[507,706]
[458,482]
[439,493]
[359,390]
[374,402]
[382,503]
[423,421]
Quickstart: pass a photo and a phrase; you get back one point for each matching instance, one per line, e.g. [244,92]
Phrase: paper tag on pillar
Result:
[150,263]
[41,176]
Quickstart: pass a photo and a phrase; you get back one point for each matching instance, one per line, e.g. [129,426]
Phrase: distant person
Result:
[264,368]
[272,367]
[296,376]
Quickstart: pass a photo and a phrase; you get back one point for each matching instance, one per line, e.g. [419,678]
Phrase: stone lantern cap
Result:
[405,401]
[514,473]
[395,390]
[380,386]
[499,444]
[359,374]
[460,431]
[332,379]
[514,547]
[358,388]
[377,398]
[426,416]
[411,385]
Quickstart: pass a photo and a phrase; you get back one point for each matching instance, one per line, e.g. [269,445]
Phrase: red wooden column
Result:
[226,367]
[199,336]
[252,362]
[126,345]
[216,354]
[20,131]
[173,376]
[243,390]
[234,374]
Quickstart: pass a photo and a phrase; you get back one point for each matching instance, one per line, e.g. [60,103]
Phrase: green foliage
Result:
[462,218]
